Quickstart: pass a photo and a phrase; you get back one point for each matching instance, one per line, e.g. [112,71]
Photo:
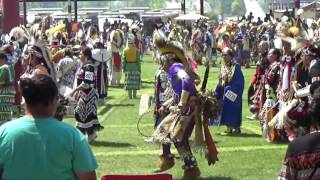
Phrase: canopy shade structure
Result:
[254,7]
[312,6]
[191,17]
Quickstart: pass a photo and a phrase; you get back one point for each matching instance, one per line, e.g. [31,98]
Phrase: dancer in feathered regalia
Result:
[188,108]
[116,42]
[270,83]
[136,31]
[256,93]
[197,41]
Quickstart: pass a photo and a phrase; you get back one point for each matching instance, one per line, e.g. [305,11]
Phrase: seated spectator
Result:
[37,146]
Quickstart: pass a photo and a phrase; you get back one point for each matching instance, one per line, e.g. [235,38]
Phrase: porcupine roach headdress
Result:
[164,46]
[44,54]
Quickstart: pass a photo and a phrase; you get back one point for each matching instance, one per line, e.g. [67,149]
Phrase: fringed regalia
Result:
[116,42]
[7,93]
[296,121]
[66,72]
[102,79]
[270,81]
[188,108]
[229,93]
[285,91]
[256,94]
[197,45]
[302,158]
[178,125]
[161,85]
[102,56]
[87,104]
[115,69]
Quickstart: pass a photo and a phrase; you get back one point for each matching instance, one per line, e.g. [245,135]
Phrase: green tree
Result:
[157,4]
[238,7]
[217,8]
[264,5]
[138,3]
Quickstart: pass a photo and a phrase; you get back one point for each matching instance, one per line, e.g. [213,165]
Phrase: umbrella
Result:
[191,17]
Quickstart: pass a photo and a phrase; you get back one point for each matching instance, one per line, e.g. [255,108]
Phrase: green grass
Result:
[120,149]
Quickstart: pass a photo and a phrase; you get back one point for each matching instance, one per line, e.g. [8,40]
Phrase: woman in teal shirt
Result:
[37,146]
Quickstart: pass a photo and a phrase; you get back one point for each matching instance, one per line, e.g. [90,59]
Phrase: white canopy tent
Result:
[254,7]
[190,17]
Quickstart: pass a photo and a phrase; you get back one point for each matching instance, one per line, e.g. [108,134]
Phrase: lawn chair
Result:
[138,177]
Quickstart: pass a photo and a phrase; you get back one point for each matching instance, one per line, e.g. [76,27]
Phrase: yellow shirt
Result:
[131,54]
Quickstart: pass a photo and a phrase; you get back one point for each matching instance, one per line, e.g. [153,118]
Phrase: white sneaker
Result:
[92,137]
[149,140]
[253,117]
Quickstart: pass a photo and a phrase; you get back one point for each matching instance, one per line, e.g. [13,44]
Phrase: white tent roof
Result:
[254,7]
[191,17]
[312,6]
[172,5]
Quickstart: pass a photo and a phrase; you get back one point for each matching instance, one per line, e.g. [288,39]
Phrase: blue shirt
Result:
[43,149]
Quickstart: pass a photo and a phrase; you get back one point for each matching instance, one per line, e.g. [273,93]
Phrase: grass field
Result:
[120,149]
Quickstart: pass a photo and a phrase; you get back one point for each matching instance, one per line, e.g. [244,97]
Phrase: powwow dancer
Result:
[66,74]
[162,89]
[66,69]
[37,61]
[186,107]
[294,118]
[131,67]
[87,97]
[197,41]
[7,90]
[270,81]
[229,93]
[116,42]
[243,46]
[136,31]
[256,93]
[101,55]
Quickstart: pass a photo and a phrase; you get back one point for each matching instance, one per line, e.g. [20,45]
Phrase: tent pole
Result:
[201,8]
[25,12]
